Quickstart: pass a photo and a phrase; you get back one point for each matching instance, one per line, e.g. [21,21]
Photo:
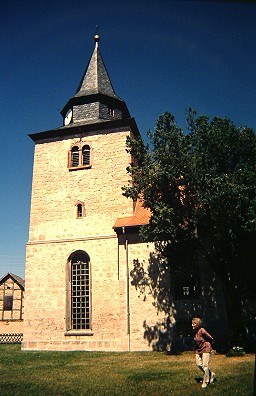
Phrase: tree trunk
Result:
[234,312]
[231,290]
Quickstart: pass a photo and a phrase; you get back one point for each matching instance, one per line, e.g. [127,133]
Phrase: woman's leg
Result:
[199,361]
[206,361]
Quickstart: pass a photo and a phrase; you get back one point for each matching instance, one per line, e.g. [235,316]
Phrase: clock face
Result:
[68,117]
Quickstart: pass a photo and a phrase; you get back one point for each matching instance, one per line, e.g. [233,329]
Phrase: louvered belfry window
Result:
[86,154]
[80,292]
[80,156]
[75,156]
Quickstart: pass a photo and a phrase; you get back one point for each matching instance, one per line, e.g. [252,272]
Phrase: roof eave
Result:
[81,128]
[127,229]
[17,279]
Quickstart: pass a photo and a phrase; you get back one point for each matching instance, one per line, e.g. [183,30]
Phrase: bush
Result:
[236,351]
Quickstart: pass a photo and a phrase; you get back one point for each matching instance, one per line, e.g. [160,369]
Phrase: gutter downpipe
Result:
[127,290]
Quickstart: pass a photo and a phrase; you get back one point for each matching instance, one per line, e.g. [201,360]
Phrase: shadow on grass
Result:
[200,380]
[150,376]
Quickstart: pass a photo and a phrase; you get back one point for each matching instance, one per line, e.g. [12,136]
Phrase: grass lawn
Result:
[102,373]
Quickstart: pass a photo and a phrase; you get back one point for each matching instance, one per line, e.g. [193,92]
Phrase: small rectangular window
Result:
[186,291]
[8,303]
[111,111]
[185,275]
[79,210]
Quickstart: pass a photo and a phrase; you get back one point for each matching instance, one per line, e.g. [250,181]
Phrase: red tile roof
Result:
[140,216]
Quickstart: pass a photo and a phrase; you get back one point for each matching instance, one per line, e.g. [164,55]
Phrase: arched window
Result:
[80,301]
[79,210]
[80,156]
[86,154]
[75,156]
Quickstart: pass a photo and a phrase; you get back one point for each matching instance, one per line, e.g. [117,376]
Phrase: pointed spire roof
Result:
[95,104]
[96,79]
[95,99]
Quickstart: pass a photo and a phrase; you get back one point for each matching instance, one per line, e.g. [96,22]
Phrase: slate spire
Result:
[95,100]
[96,79]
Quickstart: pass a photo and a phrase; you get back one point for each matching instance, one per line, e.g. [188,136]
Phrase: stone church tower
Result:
[78,294]
[82,290]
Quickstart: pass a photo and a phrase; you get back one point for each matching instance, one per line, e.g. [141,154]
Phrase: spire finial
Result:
[96,37]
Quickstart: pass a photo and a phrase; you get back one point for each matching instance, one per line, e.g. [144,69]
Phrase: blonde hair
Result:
[198,321]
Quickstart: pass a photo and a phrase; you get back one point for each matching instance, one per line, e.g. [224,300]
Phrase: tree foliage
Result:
[200,185]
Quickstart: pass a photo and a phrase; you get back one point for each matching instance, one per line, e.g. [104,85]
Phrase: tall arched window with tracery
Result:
[80,299]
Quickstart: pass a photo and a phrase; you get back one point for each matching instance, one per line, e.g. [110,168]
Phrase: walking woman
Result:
[203,342]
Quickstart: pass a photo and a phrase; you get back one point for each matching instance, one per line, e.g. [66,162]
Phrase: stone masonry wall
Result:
[56,232]
[46,305]
[56,189]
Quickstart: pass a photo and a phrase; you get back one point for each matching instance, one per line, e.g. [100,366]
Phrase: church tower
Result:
[82,291]
[77,290]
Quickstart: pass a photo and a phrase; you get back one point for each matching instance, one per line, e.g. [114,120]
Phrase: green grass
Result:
[100,373]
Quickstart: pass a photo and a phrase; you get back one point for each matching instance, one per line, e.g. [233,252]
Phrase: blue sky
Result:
[161,56]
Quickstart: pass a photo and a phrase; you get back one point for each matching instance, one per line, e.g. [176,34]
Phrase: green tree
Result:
[200,186]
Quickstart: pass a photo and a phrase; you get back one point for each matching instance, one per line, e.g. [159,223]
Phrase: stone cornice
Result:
[78,239]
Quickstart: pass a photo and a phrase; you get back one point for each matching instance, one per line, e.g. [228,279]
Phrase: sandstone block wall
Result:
[56,189]
[117,311]
[56,232]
